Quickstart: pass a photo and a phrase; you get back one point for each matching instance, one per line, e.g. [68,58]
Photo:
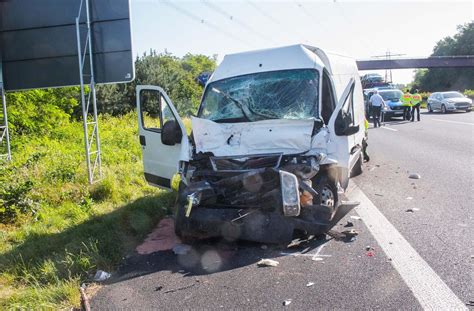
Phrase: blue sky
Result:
[355,28]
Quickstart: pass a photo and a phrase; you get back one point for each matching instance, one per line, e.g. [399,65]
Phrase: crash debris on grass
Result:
[101,276]
[268,263]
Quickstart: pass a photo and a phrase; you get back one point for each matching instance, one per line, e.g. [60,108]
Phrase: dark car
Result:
[393,105]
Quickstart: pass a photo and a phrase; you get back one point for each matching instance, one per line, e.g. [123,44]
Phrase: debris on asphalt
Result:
[356,217]
[409,198]
[369,248]
[181,249]
[163,237]
[158,288]
[179,288]
[412,210]
[349,224]
[316,258]
[268,263]
[286,302]
[414,176]
[310,284]
[380,195]
[470,303]
[101,276]
[346,236]
[370,254]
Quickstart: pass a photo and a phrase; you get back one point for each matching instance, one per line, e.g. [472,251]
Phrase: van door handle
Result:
[142,140]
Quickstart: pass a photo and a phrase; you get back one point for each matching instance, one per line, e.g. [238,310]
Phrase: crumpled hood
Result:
[261,137]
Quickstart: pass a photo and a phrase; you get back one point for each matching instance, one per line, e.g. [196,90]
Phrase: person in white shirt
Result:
[377,103]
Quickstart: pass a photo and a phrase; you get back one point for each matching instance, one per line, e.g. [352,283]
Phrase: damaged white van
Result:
[276,138]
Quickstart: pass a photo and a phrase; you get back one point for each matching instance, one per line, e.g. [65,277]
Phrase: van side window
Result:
[345,118]
[328,102]
[155,110]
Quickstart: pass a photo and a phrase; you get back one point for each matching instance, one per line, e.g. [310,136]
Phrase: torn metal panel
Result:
[269,136]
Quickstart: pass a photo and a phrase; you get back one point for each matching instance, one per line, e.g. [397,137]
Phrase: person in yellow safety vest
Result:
[416,103]
[406,103]
[364,142]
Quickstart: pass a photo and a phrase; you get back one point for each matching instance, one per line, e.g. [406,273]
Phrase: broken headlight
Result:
[290,194]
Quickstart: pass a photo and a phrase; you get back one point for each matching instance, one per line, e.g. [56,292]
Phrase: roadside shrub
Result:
[102,191]
[15,200]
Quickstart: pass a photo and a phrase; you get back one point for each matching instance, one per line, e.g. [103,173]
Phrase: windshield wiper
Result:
[235,101]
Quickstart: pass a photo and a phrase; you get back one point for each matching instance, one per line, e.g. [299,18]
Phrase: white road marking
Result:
[388,128]
[428,288]
[449,121]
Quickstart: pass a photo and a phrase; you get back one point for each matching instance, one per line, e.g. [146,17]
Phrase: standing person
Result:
[364,142]
[416,103]
[406,100]
[377,103]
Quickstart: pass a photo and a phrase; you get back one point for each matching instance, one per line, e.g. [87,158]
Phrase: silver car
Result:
[448,101]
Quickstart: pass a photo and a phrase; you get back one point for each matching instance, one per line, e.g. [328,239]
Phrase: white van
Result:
[276,138]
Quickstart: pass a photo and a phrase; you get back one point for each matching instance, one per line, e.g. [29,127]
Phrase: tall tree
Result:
[441,79]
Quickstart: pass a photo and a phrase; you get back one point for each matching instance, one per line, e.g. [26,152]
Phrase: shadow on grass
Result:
[97,243]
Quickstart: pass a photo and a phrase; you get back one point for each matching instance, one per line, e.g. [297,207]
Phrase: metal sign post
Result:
[92,141]
[5,152]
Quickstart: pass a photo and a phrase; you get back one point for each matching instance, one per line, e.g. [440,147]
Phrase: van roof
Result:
[298,56]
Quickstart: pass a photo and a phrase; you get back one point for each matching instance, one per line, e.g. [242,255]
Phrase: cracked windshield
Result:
[236,154]
[289,94]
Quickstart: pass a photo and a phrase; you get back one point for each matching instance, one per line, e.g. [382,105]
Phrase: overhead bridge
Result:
[409,63]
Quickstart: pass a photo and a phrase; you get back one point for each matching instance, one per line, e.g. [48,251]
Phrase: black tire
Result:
[443,109]
[430,110]
[357,169]
[326,188]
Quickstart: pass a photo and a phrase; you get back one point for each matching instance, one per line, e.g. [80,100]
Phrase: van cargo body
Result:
[277,136]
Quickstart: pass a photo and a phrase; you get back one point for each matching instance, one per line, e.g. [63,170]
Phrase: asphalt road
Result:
[420,259]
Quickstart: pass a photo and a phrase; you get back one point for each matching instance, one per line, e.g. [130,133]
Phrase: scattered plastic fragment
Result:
[369,248]
[310,284]
[286,302]
[101,276]
[349,224]
[181,249]
[409,198]
[412,210]
[378,194]
[317,259]
[267,263]
[355,217]
[370,254]
[414,176]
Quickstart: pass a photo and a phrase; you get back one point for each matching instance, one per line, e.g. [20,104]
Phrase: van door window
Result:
[345,117]
[155,110]
[328,103]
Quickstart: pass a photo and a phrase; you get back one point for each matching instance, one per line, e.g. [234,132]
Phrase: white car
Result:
[449,101]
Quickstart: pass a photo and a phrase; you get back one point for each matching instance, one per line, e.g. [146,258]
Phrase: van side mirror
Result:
[351,130]
[171,133]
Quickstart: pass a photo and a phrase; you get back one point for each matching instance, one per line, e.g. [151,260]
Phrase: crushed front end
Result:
[264,198]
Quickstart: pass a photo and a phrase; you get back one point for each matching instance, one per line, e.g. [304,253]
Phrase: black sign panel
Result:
[38,42]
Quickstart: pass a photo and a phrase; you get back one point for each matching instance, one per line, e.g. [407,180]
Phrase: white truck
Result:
[277,136]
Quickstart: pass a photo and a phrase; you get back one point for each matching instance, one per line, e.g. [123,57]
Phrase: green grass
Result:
[61,229]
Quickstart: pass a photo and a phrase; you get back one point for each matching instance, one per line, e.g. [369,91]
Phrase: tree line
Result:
[446,79]
[39,111]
